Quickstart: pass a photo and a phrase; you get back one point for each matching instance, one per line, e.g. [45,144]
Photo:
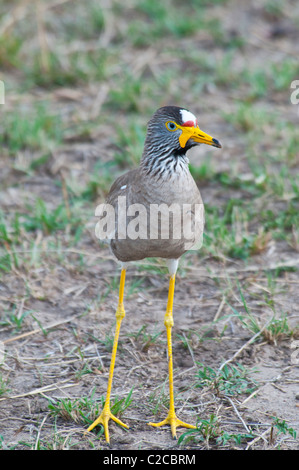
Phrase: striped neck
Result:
[164,162]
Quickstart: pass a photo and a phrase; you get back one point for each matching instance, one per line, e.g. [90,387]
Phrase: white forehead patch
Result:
[187,117]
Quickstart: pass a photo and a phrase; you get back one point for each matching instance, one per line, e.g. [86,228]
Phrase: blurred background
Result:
[79,82]
[82,80]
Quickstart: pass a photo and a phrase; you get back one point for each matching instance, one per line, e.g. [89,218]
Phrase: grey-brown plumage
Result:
[155,211]
[175,192]
[162,181]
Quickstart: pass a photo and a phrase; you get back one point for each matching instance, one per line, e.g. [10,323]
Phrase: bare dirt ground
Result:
[61,350]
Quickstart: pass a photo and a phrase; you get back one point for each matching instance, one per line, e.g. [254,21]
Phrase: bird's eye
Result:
[171,126]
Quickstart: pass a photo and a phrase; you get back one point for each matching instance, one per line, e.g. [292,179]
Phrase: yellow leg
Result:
[171,418]
[106,413]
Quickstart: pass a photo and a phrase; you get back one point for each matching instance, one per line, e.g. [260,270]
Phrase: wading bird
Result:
[162,180]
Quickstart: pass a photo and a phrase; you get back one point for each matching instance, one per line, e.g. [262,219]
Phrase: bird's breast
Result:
[155,218]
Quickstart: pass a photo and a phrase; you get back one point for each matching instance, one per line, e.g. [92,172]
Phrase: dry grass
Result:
[80,84]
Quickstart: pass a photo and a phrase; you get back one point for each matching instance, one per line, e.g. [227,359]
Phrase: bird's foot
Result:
[174,423]
[103,419]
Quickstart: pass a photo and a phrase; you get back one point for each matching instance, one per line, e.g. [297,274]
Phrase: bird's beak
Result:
[198,136]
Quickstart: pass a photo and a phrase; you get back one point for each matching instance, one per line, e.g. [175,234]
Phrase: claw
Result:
[174,423]
[103,419]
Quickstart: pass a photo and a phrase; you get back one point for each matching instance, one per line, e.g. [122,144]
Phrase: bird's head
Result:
[170,133]
[178,127]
